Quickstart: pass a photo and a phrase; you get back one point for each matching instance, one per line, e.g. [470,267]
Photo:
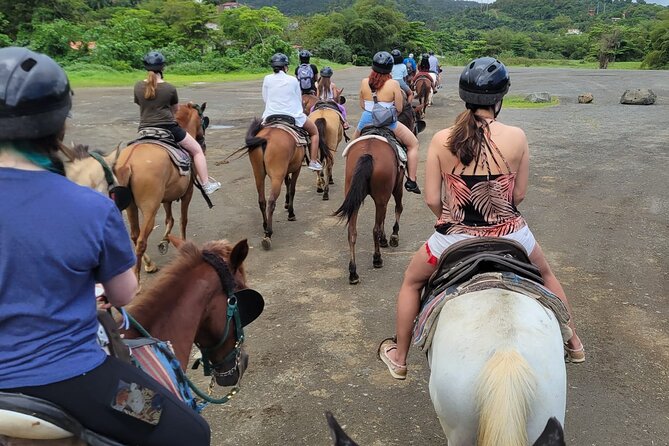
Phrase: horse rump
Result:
[252,141]
[358,189]
[324,150]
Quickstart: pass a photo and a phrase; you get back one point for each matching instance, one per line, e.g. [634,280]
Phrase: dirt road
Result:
[597,202]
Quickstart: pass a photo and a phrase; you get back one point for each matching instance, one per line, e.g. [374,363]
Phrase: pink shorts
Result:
[438,243]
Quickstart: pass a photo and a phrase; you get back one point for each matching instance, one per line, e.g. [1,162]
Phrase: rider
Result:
[282,96]
[477,150]
[327,91]
[389,95]
[158,102]
[424,70]
[57,240]
[306,73]
[410,63]
[400,73]
[435,69]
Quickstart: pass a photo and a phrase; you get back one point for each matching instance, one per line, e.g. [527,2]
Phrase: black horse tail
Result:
[359,188]
[325,154]
[252,141]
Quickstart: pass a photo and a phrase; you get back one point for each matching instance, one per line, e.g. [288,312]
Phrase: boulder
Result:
[538,97]
[585,98]
[638,96]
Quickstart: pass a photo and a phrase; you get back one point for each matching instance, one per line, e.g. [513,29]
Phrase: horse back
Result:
[385,170]
[281,154]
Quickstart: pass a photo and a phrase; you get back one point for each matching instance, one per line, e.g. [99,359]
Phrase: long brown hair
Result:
[44,151]
[151,83]
[468,135]
[377,80]
[324,87]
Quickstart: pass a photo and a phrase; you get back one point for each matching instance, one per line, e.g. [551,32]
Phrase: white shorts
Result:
[438,243]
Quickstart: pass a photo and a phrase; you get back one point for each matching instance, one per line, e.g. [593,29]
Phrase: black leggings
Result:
[88,398]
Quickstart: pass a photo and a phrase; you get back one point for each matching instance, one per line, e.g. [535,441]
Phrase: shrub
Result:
[335,50]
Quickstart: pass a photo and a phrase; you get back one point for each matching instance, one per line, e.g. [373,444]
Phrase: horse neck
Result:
[86,172]
[187,122]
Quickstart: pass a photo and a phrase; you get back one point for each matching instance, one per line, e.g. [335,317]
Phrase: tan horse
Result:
[84,169]
[149,172]
[331,132]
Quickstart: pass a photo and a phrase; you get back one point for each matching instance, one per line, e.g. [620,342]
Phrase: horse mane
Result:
[78,151]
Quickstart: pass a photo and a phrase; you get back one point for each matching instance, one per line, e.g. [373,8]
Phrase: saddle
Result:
[165,139]
[467,258]
[389,136]
[287,123]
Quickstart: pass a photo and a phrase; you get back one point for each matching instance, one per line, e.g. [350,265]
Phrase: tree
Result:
[335,50]
[658,57]
[248,27]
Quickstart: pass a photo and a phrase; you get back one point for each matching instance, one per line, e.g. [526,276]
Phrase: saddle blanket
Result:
[401,154]
[426,321]
[300,138]
[179,156]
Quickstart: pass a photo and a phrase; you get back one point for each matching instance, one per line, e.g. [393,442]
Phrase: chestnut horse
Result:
[330,131]
[371,169]
[423,89]
[148,171]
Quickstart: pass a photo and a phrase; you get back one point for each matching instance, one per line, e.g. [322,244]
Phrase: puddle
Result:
[220,126]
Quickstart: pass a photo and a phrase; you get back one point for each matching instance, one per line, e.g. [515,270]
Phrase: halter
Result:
[203,119]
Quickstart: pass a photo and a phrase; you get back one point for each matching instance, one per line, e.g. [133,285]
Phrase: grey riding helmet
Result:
[279,60]
[383,62]
[327,72]
[484,81]
[397,56]
[304,56]
[154,61]
[35,95]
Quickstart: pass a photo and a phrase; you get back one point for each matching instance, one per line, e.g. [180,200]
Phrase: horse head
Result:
[191,118]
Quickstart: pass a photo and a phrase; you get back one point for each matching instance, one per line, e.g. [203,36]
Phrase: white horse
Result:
[497,369]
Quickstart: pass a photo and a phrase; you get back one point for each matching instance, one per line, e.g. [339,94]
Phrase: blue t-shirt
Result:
[57,239]
[410,61]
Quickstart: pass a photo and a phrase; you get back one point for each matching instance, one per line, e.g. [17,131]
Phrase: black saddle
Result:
[47,411]
[467,258]
[279,119]
[156,134]
[385,132]
[326,105]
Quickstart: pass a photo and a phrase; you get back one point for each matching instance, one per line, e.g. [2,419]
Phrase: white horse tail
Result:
[504,395]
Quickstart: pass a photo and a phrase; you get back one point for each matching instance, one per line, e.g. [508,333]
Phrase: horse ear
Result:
[176,241]
[338,435]
[203,106]
[238,254]
[553,435]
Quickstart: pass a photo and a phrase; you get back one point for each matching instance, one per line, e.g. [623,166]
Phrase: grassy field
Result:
[552,63]
[516,101]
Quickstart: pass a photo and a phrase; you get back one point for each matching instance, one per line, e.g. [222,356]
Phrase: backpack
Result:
[306,76]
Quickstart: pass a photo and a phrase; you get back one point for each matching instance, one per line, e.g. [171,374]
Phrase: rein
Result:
[109,176]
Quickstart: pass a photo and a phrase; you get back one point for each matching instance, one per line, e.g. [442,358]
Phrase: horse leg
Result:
[149,215]
[275,192]
[133,219]
[353,277]
[291,187]
[169,224]
[286,181]
[185,202]
[397,195]
[320,180]
[379,236]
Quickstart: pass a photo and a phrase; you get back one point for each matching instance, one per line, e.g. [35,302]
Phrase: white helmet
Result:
[410,55]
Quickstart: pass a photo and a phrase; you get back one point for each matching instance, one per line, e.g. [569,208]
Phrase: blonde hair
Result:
[150,87]
[324,88]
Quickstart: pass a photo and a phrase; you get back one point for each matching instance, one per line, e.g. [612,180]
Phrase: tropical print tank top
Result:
[480,205]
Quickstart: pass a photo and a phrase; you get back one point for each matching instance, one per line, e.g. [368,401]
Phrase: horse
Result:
[509,376]
[90,169]
[371,169]
[187,304]
[330,131]
[412,117]
[148,171]
[308,101]
[423,89]
[273,152]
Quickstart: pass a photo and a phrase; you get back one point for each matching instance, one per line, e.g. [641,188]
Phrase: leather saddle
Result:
[467,258]
[164,138]
[400,150]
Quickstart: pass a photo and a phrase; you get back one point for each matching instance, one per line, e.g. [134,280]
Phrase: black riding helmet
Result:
[397,56]
[35,95]
[279,60]
[327,72]
[484,81]
[383,62]
[304,56]
[154,61]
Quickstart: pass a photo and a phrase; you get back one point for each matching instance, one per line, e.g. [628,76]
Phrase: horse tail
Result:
[321,125]
[505,390]
[359,188]
[424,93]
[252,141]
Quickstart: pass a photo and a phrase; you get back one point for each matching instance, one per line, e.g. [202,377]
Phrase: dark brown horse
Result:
[423,89]
[273,152]
[149,172]
[371,169]
[330,132]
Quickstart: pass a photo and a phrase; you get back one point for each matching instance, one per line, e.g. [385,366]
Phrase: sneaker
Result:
[315,165]
[412,186]
[211,187]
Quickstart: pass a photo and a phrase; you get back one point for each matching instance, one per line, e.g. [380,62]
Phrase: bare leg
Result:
[551,282]
[313,132]
[200,162]
[411,142]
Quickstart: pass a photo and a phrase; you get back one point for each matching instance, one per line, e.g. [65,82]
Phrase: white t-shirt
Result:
[282,96]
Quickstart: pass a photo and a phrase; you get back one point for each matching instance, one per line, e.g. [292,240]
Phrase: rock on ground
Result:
[538,97]
[585,98]
[638,96]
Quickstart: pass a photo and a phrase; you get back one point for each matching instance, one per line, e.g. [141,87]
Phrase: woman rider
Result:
[158,102]
[327,91]
[401,74]
[477,149]
[389,95]
[57,239]
[424,71]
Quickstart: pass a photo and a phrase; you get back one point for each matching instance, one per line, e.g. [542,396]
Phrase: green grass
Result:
[515,101]
[552,63]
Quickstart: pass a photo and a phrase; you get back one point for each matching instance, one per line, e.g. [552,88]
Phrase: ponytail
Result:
[324,87]
[468,135]
[150,87]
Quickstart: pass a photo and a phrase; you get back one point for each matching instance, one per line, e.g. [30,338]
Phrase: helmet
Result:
[484,81]
[279,60]
[35,95]
[410,55]
[383,62]
[326,72]
[397,56]
[304,54]
[154,61]
[431,53]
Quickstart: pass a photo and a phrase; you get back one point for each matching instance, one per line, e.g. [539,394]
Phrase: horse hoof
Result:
[378,264]
[319,190]
[326,197]
[266,243]
[163,246]
[383,243]
[354,280]
[292,218]
[330,182]
[394,241]
[286,206]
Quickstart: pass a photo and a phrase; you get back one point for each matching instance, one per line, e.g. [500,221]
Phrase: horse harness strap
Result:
[109,176]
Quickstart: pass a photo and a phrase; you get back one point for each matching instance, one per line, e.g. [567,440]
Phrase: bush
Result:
[335,50]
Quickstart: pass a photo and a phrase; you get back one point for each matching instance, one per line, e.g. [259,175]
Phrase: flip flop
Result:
[574,356]
[396,370]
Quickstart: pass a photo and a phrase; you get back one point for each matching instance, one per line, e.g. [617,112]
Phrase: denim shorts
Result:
[366,119]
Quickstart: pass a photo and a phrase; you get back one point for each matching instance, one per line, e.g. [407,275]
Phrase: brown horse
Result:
[423,88]
[149,172]
[371,169]
[331,132]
